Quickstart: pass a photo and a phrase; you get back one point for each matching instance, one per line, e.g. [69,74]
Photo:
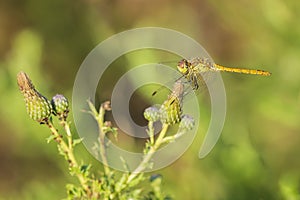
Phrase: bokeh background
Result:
[257,156]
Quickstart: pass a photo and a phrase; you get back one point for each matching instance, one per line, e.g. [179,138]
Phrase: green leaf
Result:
[114,131]
[125,165]
[137,180]
[77,141]
[92,108]
[50,138]
[74,192]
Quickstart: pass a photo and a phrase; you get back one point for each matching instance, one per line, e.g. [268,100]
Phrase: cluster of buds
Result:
[39,107]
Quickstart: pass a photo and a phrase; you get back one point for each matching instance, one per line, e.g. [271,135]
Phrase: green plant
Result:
[109,184]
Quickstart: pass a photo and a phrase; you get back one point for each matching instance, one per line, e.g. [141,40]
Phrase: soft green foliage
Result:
[289,185]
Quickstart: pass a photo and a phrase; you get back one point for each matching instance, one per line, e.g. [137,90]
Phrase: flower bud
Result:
[60,106]
[154,177]
[106,106]
[187,123]
[170,110]
[151,114]
[38,107]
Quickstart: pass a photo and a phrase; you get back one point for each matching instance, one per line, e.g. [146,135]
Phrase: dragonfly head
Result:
[183,66]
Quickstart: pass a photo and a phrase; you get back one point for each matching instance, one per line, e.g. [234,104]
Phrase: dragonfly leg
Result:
[195,85]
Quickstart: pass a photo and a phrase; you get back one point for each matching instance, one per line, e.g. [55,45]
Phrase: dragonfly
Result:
[196,70]
[199,71]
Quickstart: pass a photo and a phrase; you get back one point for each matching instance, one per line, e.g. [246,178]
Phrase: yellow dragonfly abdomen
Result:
[242,70]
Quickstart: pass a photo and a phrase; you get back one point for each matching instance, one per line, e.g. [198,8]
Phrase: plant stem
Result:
[100,122]
[141,167]
[68,132]
[151,132]
[99,117]
[173,137]
[68,150]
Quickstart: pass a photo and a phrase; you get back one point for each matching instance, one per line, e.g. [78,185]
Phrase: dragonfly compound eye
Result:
[183,66]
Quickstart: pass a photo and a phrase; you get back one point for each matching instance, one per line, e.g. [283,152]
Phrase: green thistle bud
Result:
[155,177]
[60,106]
[187,123]
[38,107]
[170,110]
[151,114]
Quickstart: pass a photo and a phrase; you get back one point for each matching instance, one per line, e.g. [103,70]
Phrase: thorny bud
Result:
[60,106]
[187,123]
[170,110]
[38,107]
[151,114]
[154,177]
[106,106]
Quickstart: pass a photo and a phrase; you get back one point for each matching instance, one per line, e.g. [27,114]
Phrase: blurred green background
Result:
[257,156]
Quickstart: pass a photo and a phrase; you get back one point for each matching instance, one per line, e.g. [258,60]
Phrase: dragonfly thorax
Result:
[202,65]
[193,70]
